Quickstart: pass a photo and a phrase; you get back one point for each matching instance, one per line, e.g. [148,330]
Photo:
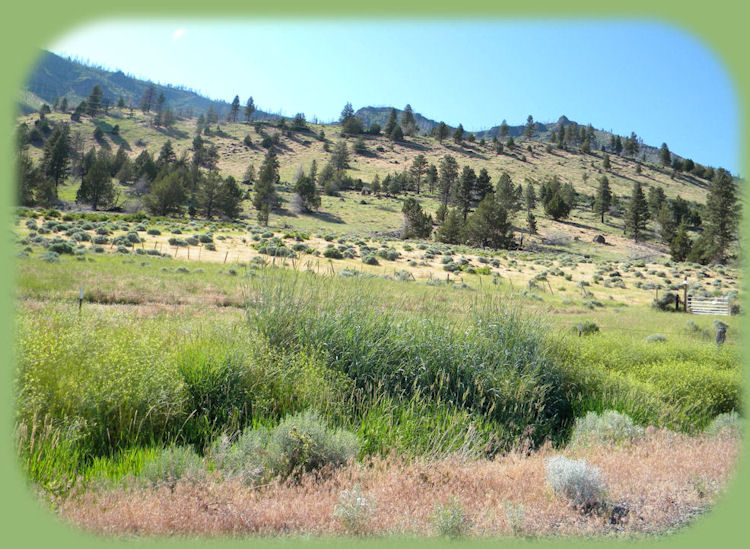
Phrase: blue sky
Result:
[650,78]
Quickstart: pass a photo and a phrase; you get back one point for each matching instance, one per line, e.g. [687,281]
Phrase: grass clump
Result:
[450,520]
[576,481]
[172,464]
[611,427]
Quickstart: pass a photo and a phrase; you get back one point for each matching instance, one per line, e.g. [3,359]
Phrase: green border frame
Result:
[27,27]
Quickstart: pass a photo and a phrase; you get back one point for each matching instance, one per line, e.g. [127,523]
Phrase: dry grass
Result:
[665,481]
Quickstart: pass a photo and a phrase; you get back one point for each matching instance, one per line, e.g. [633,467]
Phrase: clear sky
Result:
[653,79]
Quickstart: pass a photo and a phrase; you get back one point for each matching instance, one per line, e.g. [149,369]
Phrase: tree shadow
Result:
[174,133]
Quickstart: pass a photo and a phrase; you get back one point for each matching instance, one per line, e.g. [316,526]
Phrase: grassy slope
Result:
[381,214]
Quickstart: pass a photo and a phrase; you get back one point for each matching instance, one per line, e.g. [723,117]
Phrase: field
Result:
[212,370]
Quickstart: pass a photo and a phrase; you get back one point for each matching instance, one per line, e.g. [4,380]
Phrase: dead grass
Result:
[665,481]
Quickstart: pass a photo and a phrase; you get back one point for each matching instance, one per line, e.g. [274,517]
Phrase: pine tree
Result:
[605,162]
[375,185]
[507,194]
[417,223]
[249,109]
[167,194]
[94,101]
[441,131]
[147,100]
[489,226]
[636,215]
[29,179]
[603,198]
[234,109]
[503,130]
[529,196]
[56,158]
[396,134]
[483,186]
[465,190]
[681,245]
[666,221]
[722,214]
[418,167]
[307,192]
[230,198]
[350,124]
[458,134]
[665,157]
[209,188]
[265,197]
[530,128]
[531,223]
[97,188]
[656,198]
[390,123]
[450,232]
[340,156]
[448,176]
[408,123]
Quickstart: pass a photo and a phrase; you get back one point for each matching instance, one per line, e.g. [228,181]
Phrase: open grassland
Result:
[223,378]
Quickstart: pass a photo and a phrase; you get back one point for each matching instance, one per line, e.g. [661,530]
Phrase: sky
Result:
[653,79]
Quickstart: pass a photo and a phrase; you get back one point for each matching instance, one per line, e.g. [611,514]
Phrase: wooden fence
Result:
[708,305]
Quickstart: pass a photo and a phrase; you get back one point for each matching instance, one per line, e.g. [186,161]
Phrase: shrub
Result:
[303,442]
[656,338]
[610,427]
[171,465]
[728,424]
[153,232]
[577,481]
[61,248]
[587,327]
[451,520]
[370,259]
[353,510]
[333,253]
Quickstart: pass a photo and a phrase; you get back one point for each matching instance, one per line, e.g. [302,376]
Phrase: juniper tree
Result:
[531,223]
[507,194]
[489,226]
[665,157]
[56,157]
[234,109]
[483,186]
[458,134]
[390,123]
[94,101]
[307,192]
[441,131]
[680,245]
[450,231]
[230,198]
[529,195]
[340,156]
[504,129]
[530,128]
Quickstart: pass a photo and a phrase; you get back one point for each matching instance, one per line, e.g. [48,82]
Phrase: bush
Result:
[333,253]
[370,259]
[171,465]
[303,442]
[610,427]
[61,248]
[451,520]
[587,327]
[656,338]
[353,510]
[577,481]
[728,424]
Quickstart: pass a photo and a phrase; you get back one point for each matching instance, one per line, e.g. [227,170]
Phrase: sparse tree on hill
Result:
[656,198]
[350,124]
[418,167]
[94,101]
[249,109]
[417,223]
[529,195]
[441,131]
[606,164]
[465,190]
[97,188]
[56,158]
[603,199]
[681,245]
[166,155]
[431,177]
[396,134]
[665,157]
[636,215]
[408,123]
[665,219]
[489,226]
[375,185]
[307,192]
[167,194]
[483,186]
[390,123]
[722,214]
[234,109]
[531,223]
[29,179]
[458,134]
[230,198]
[507,194]
[265,197]
[451,230]
[147,100]
[340,156]
[530,129]
[448,177]
[503,130]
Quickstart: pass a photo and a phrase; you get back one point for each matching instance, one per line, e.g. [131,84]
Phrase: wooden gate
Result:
[708,305]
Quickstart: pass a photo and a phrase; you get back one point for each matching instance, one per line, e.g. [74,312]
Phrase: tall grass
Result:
[493,363]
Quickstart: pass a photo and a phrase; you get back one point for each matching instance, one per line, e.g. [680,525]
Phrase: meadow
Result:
[299,372]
